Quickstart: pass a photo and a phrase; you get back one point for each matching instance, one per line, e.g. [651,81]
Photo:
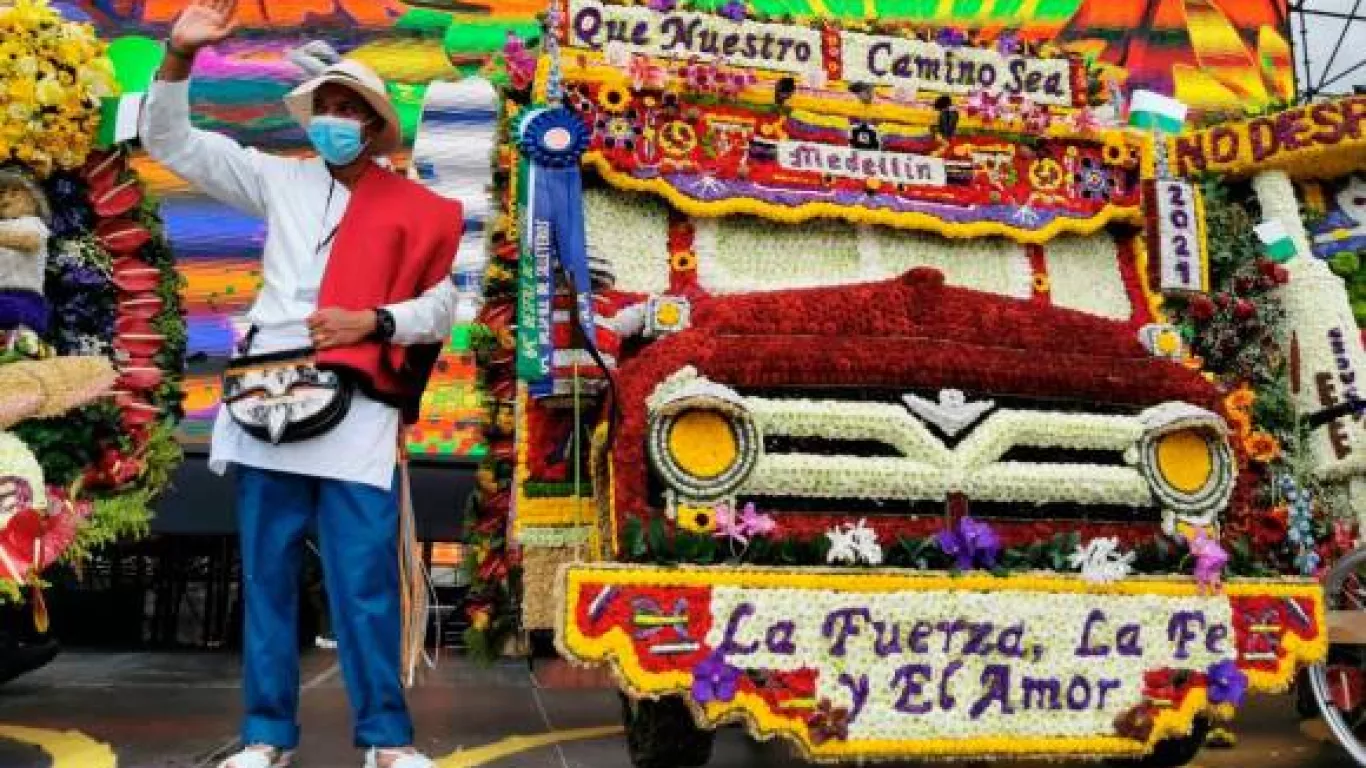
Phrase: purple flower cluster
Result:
[735,10]
[83,303]
[71,211]
[714,680]
[971,543]
[1227,683]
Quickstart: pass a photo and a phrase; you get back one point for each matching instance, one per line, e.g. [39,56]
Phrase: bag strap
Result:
[244,346]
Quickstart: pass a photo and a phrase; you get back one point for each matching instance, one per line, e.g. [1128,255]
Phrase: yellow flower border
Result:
[615,649]
[899,220]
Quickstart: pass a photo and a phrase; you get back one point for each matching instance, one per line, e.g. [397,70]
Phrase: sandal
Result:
[401,759]
[260,756]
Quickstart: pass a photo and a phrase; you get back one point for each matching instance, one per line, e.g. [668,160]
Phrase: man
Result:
[362,288]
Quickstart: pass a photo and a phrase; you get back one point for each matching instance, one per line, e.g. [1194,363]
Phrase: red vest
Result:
[396,240]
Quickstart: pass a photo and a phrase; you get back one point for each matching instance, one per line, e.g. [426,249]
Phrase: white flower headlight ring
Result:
[1186,459]
[702,440]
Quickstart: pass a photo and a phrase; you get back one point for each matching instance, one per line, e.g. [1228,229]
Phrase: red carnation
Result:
[1244,309]
[1202,308]
[1280,274]
[1222,299]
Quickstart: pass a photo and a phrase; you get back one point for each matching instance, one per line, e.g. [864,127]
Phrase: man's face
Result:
[336,100]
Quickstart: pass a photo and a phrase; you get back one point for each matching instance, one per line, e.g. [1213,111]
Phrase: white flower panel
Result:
[632,232]
[991,264]
[743,254]
[1085,275]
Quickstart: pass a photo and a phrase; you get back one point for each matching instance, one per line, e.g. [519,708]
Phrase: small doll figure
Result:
[24,218]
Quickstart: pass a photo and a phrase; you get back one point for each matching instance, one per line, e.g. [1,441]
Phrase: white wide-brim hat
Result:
[368,85]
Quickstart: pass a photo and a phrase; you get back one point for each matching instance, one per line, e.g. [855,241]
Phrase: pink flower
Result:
[985,107]
[741,528]
[755,523]
[1084,121]
[1210,559]
[646,75]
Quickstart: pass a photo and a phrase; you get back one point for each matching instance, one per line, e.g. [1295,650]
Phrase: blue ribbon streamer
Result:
[554,140]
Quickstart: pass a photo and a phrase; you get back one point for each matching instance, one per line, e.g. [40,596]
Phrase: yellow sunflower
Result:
[683,261]
[1116,152]
[614,98]
[696,519]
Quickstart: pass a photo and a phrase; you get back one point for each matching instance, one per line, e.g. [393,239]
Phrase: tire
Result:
[661,733]
[1334,583]
[1172,753]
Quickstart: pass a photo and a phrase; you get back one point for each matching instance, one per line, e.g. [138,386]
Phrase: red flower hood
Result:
[915,332]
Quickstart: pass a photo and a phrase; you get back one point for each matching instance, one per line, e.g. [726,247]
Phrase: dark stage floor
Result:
[101,710]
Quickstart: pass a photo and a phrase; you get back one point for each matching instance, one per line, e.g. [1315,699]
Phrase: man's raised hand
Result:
[203,22]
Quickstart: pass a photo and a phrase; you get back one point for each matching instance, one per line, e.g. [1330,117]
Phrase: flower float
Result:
[915,455]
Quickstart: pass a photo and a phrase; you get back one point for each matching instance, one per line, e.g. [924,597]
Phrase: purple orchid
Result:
[1210,559]
[735,10]
[1227,683]
[742,527]
[971,544]
[714,680]
[663,6]
[755,523]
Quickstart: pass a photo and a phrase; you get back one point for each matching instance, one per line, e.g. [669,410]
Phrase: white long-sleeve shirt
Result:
[302,204]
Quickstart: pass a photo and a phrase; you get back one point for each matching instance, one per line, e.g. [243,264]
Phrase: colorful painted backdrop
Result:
[1213,54]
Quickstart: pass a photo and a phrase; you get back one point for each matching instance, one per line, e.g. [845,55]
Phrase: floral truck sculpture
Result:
[895,392]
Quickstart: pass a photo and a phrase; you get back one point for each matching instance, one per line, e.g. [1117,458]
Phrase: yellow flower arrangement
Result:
[55,74]
[1116,152]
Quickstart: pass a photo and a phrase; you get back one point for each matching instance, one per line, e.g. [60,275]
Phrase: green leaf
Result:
[636,548]
[659,543]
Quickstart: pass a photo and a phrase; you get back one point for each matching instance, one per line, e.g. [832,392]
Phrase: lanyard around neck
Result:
[331,189]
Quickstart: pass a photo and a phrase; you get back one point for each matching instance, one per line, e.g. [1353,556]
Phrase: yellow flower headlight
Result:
[704,445]
[1188,463]
[668,315]
[1185,459]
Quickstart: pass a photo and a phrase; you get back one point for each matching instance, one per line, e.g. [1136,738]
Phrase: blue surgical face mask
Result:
[338,139]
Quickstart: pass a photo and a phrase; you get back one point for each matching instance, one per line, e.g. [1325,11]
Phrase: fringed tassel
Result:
[418,595]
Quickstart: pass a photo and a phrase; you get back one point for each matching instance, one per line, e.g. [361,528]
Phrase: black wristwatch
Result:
[384,325]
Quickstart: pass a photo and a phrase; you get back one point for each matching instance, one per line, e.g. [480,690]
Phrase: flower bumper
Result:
[889,664]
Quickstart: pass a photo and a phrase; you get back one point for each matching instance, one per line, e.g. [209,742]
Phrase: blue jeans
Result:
[358,539]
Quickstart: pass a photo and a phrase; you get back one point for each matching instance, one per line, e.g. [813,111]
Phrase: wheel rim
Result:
[1344,589]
